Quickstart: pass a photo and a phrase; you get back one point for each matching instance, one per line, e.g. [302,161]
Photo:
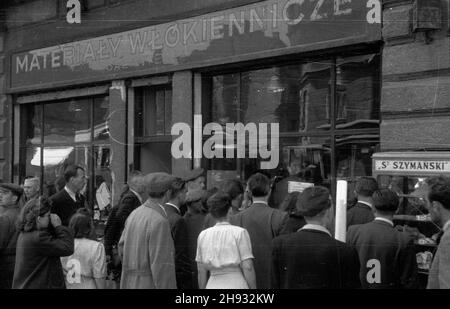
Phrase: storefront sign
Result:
[412,166]
[267,28]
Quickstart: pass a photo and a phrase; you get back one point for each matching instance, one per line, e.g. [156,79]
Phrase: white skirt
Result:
[227,278]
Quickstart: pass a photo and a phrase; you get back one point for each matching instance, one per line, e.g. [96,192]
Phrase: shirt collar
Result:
[316,228]
[366,203]
[137,194]
[175,206]
[71,193]
[446,226]
[261,202]
[385,220]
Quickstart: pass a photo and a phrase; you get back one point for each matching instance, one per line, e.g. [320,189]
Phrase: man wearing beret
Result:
[10,195]
[311,257]
[195,180]
[146,245]
[387,256]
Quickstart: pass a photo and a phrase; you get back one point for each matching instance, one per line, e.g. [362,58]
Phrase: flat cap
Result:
[195,195]
[15,189]
[158,182]
[192,174]
[313,200]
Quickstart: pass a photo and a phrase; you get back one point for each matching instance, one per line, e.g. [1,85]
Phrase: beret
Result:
[15,189]
[195,195]
[158,182]
[313,200]
[192,174]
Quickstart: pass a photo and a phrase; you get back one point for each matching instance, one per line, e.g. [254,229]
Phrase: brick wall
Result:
[415,102]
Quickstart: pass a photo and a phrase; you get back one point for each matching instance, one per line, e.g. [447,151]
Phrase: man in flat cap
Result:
[146,245]
[195,179]
[311,257]
[10,195]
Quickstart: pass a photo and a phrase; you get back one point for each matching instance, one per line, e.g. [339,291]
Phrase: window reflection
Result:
[67,122]
[101,115]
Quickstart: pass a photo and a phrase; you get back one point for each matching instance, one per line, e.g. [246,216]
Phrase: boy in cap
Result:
[387,256]
[311,257]
[146,244]
[10,195]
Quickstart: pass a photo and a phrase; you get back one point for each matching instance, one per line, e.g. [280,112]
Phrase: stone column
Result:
[118,132]
[5,116]
[182,107]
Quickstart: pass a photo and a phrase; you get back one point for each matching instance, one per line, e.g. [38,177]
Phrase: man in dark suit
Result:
[10,195]
[129,200]
[66,202]
[362,211]
[311,257]
[178,227]
[263,223]
[386,255]
[438,204]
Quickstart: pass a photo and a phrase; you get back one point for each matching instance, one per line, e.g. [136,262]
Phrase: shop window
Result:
[93,4]
[330,134]
[57,134]
[153,123]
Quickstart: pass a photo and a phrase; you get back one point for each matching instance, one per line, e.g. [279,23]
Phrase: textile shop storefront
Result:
[110,103]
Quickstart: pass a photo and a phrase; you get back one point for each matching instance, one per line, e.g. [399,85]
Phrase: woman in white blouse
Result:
[224,251]
[86,267]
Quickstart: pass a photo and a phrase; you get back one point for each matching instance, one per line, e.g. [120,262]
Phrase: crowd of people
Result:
[169,232]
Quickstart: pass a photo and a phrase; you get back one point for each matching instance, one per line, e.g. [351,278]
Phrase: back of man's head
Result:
[136,181]
[385,201]
[259,185]
[439,190]
[366,186]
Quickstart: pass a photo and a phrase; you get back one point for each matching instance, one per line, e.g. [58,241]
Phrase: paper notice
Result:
[296,186]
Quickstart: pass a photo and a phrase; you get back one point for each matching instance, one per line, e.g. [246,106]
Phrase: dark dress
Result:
[8,241]
[194,225]
[393,249]
[359,214]
[65,207]
[180,239]
[312,259]
[38,263]
[263,224]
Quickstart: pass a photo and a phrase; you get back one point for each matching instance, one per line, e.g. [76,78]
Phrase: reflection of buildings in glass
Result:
[314,88]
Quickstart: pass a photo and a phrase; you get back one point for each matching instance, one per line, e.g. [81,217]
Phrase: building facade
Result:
[340,79]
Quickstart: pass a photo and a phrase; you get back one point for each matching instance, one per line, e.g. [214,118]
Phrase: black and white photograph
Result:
[225,150]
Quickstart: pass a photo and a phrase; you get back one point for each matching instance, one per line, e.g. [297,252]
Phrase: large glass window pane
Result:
[101,115]
[67,122]
[357,87]
[32,166]
[155,157]
[295,96]
[31,124]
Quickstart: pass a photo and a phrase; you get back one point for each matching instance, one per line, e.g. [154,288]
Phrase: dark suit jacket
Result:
[263,224]
[311,259]
[64,206]
[178,229]
[8,241]
[359,214]
[38,258]
[194,224]
[280,191]
[393,249]
[116,220]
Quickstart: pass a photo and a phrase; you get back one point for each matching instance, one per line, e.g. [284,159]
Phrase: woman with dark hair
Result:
[295,221]
[39,247]
[224,251]
[86,267]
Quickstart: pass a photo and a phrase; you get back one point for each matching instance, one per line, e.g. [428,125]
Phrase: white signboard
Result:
[420,166]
